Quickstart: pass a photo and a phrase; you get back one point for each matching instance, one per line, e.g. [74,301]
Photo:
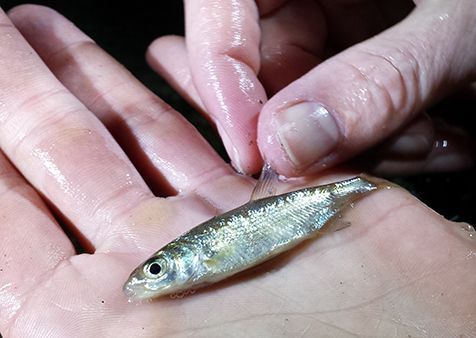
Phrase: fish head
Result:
[169,270]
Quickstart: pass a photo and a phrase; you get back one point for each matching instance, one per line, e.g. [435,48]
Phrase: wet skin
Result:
[400,269]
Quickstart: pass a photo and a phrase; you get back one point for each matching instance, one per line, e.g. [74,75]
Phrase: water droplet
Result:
[471,254]
[444,17]
[468,230]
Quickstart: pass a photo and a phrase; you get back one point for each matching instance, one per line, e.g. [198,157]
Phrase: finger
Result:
[59,146]
[168,56]
[32,242]
[357,98]
[223,44]
[159,141]
[413,140]
[451,149]
[293,37]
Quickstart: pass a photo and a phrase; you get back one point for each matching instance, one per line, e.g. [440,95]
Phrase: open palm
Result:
[81,129]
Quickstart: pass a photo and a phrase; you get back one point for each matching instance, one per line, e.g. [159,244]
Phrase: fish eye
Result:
[154,269]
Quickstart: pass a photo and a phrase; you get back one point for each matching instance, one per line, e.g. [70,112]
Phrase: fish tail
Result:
[343,195]
[357,185]
[379,183]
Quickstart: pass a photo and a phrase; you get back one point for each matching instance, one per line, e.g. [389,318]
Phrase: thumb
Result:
[362,95]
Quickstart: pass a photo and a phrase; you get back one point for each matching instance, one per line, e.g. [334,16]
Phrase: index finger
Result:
[223,42]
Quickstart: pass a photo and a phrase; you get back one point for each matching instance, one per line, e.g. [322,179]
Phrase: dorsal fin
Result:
[266,185]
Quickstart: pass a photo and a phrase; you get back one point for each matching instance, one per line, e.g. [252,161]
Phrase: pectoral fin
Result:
[266,185]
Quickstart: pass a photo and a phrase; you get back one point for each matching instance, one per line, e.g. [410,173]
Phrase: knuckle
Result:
[399,75]
[387,85]
[23,124]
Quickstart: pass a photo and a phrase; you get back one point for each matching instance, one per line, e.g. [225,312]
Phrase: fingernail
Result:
[307,132]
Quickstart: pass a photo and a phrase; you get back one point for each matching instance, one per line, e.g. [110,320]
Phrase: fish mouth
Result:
[129,291]
[137,297]
[135,290]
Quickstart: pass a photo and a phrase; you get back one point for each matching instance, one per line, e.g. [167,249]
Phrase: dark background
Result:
[125,31]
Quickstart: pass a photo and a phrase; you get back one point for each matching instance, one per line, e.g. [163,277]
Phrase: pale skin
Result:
[400,269]
[375,65]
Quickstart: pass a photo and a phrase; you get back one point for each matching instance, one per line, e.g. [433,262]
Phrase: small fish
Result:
[243,237]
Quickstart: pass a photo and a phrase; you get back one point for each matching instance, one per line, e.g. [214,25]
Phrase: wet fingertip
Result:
[243,152]
[445,155]
[163,42]
[250,167]
[414,140]
[408,145]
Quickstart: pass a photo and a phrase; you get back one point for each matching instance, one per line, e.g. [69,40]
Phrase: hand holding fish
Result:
[82,134]
[341,77]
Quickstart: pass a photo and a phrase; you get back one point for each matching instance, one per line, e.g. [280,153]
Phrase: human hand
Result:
[361,95]
[398,268]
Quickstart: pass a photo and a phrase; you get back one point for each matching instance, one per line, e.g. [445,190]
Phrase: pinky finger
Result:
[32,242]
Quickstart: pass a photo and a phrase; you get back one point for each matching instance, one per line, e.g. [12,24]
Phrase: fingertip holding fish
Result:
[244,237]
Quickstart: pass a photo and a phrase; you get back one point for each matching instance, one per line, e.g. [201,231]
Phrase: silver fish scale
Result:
[243,237]
[261,229]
